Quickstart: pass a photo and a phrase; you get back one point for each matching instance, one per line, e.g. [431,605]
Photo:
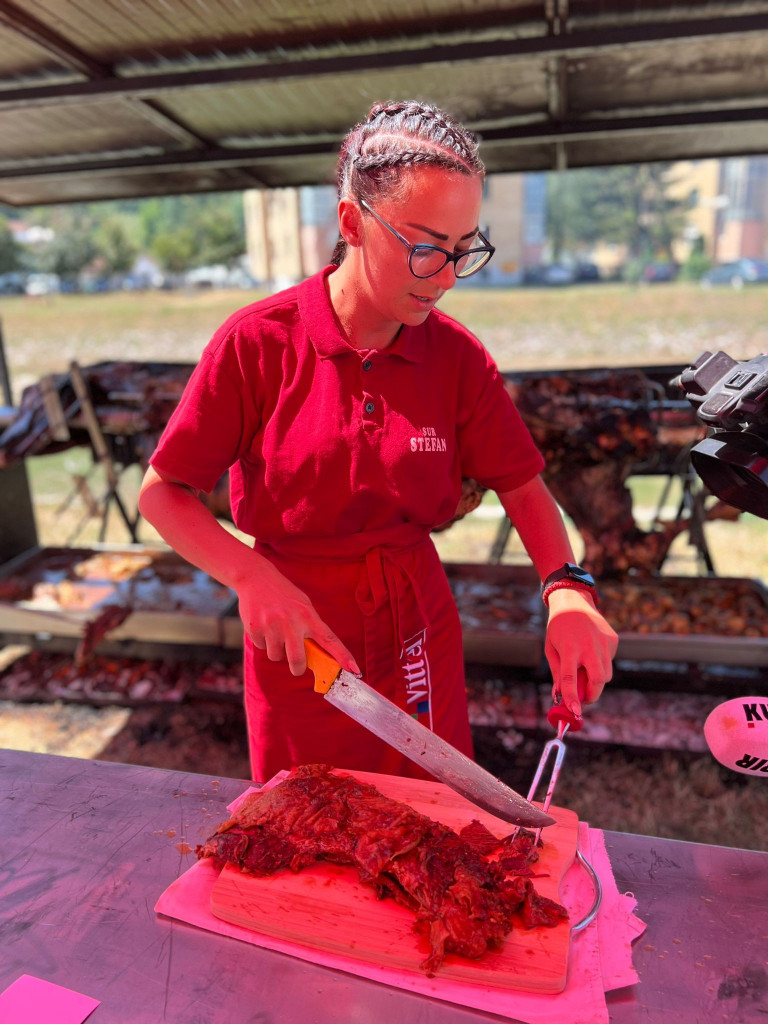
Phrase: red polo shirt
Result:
[325,440]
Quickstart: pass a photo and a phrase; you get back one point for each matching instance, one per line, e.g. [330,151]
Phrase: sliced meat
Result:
[463,903]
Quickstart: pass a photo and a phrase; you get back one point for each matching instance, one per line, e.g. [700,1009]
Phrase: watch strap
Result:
[569,571]
[568,583]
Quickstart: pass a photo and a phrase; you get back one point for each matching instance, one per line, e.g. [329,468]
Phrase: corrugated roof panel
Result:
[303,171]
[667,74]
[21,59]
[113,29]
[90,187]
[604,63]
[497,89]
[581,12]
[85,128]
[689,144]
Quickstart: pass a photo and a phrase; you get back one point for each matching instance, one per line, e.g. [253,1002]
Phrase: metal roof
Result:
[115,98]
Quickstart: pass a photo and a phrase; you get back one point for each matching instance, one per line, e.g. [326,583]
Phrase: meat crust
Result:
[463,903]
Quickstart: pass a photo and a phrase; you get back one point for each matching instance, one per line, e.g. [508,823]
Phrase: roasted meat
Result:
[463,903]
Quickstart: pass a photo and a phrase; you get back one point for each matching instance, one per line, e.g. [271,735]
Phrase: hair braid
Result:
[395,136]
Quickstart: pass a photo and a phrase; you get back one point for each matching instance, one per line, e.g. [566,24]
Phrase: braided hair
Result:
[394,137]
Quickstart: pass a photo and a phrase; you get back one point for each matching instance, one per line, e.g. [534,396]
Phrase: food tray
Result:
[40,676]
[702,620]
[719,620]
[219,681]
[501,612]
[58,590]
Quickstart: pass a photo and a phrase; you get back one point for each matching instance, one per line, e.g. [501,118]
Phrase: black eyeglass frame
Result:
[450,257]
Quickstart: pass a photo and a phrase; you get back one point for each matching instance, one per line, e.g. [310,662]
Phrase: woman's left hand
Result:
[578,637]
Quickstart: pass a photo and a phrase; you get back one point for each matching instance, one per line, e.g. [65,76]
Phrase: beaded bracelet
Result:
[570,585]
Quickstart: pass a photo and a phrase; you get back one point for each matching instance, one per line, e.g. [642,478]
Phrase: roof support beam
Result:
[66,53]
[514,136]
[76,60]
[392,54]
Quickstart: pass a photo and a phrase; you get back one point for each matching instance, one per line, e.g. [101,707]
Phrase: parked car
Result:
[655,273]
[12,283]
[587,272]
[737,273]
[43,284]
[548,274]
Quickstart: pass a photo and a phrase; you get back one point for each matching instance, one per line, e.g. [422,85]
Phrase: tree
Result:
[9,251]
[177,251]
[628,205]
[115,247]
[221,237]
[182,232]
[73,246]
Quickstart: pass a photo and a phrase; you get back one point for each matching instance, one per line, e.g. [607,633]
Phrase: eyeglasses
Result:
[427,260]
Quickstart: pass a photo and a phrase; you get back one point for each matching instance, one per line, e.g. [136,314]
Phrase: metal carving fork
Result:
[563,719]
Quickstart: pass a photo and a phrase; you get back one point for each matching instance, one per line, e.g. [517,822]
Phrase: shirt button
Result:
[369,406]
[367,364]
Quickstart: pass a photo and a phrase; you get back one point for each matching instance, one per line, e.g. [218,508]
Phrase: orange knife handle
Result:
[325,669]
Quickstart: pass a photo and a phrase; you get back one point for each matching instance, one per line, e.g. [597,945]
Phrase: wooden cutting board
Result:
[326,907]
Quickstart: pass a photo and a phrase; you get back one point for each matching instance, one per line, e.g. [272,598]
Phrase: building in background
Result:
[514,214]
[730,211]
[743,219]
[292,232]
[319,226]
[273,236]
[697,181]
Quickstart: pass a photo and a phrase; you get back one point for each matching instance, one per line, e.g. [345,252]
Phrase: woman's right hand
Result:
[278,617]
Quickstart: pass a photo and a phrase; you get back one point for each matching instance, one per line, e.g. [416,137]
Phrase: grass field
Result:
[524,328]
[591,325]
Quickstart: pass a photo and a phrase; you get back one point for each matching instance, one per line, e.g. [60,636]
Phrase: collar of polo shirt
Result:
[323,329]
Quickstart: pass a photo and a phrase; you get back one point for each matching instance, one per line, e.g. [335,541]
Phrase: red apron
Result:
[392,607]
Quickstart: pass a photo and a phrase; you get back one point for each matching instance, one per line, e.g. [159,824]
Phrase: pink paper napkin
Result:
[31,1000]
[600,958]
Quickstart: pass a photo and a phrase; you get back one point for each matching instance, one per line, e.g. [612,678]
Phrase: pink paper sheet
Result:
[30,1000]
[595,966]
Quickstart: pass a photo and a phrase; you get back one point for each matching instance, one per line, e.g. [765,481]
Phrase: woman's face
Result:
[438,207]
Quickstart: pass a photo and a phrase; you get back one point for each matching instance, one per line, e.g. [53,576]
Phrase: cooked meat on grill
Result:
[111,616]
[463,903]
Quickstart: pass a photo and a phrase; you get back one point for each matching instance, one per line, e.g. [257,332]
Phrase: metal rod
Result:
[5,377]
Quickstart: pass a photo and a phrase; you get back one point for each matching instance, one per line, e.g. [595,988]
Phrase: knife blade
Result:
[397,728]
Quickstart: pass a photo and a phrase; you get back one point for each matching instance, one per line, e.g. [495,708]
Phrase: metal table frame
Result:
[88,846]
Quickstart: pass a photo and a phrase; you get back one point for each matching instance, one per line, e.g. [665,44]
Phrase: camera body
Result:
[731,399]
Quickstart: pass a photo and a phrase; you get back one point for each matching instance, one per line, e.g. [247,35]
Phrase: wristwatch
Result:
[568,575]
[569,571]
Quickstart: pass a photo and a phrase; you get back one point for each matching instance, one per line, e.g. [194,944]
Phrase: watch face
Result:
[576,572]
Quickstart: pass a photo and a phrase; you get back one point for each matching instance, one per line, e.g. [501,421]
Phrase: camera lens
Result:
[734,466]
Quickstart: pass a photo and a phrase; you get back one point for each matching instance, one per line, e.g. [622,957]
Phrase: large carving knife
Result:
[387,721]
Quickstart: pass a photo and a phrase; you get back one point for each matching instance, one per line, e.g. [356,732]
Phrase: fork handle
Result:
[560,714]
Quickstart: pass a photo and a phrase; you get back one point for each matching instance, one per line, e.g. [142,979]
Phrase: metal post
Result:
[5,379]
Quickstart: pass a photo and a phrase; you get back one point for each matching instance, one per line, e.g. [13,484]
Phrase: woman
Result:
[349,409]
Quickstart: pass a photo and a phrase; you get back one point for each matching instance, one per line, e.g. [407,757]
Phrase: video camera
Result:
[731,398]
